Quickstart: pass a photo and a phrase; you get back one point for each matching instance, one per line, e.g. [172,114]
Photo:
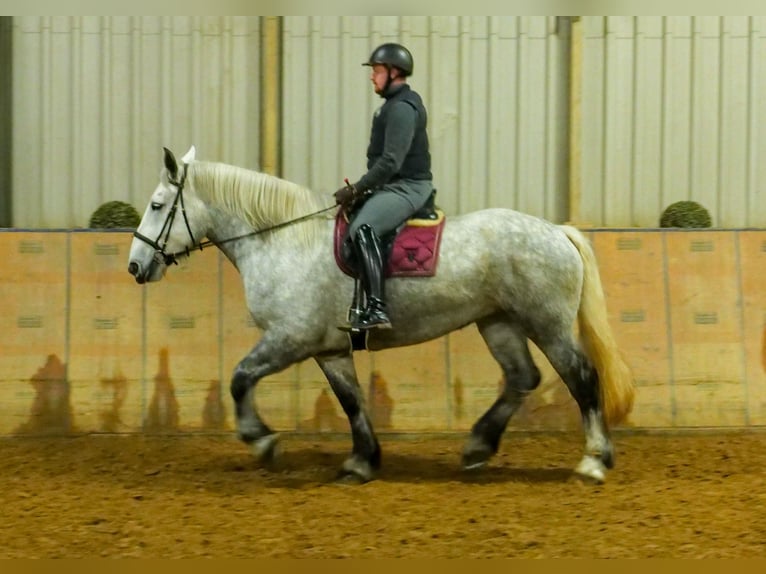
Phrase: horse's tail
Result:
[615,379]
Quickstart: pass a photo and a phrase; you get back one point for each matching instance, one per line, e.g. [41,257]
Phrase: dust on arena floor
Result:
[671,494]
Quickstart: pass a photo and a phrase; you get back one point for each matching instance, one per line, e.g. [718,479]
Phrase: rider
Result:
[398,181]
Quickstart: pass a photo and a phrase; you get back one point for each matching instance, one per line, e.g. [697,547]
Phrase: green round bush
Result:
[688,214]
[114,214]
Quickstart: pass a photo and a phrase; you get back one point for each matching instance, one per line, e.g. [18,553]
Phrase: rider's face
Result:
[379,77]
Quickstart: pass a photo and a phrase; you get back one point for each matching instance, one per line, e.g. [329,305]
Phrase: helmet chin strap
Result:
[389,79]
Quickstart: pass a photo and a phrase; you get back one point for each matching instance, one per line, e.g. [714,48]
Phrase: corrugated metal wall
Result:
[496,88]
[673,109]
[96,98]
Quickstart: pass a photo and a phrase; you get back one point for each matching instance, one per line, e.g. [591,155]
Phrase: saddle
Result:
[411,250]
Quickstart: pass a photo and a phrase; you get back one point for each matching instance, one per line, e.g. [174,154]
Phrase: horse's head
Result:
[173,223]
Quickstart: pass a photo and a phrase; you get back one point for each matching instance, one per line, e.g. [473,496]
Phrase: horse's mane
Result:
[259,199]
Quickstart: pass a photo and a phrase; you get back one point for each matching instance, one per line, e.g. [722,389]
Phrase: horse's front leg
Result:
[267,357]
[365,455]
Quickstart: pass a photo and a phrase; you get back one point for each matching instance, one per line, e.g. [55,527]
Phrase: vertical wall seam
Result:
[751,114]
[632,217]
[669,323]
[575,120]
[741,317]
[720,125]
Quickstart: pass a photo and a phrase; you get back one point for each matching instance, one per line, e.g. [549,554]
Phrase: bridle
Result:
[161,256]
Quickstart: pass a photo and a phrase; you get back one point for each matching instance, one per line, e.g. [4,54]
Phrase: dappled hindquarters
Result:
[693,495]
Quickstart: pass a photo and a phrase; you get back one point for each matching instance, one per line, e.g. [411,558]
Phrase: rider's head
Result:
[390,62]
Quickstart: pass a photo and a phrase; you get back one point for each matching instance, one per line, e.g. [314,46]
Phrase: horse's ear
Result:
[189,156]
[170,163]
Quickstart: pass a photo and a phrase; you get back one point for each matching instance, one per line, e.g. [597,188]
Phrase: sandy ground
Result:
[693,495]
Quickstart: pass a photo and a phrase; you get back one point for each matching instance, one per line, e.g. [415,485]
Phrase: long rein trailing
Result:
[172,257]
[207,243]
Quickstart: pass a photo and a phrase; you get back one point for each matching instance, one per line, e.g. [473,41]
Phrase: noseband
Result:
[160,255]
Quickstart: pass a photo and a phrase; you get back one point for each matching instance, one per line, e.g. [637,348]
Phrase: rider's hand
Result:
[345,195]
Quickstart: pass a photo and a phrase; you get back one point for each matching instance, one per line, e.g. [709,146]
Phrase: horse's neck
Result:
[230,219]
[225,228]
[261,200]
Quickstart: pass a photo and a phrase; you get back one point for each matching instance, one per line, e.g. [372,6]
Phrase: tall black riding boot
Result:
[370,259]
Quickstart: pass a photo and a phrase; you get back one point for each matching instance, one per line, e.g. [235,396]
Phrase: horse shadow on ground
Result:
[224,466]
[302,467]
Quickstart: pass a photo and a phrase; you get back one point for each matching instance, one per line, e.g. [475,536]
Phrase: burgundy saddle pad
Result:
[415,251]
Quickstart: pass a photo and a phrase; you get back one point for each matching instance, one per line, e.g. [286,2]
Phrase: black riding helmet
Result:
[392,56]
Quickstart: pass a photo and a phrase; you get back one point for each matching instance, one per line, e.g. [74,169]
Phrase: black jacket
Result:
[398,140]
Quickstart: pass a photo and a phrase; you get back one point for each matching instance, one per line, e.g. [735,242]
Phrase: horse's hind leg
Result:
[581,378]
[508,346]
[365,456]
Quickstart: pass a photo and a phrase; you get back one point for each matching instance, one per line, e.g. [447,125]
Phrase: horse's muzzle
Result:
[135,270]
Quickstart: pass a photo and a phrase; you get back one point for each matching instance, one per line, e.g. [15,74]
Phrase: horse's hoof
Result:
[349,479]
[355,471]
[476,455]
[591,470]
[266,449]
[471,466]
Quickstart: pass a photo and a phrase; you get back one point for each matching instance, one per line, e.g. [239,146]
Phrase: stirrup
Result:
[355,311]
[374,317]
[354,318]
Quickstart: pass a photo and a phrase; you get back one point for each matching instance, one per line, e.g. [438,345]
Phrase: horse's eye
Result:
[156,206]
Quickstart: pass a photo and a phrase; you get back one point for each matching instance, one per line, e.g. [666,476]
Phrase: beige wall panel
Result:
[410,384]
[708,370]
[752,256]
[86,349]
[633,275]
[34,392]
[182,343]
[106,334]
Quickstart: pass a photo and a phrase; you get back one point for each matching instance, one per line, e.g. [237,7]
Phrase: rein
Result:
[169,258]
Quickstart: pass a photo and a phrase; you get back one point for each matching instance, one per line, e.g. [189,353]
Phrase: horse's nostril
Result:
[133,268]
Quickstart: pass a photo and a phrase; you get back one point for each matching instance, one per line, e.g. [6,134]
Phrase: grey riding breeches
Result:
[391,205]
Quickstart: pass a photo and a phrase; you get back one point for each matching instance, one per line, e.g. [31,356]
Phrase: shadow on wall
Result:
[51,411]
[162,415]
[213,412]
[763,349]
[111,421]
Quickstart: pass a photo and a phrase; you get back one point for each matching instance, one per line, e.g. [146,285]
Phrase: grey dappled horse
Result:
[516,276]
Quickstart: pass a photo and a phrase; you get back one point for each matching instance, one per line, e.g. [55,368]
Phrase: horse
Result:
[517,277]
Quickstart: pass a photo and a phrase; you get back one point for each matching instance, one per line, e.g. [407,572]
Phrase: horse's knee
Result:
[240,384]
[522,381]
